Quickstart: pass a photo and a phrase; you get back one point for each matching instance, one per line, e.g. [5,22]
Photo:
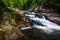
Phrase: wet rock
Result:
[38,34]
[54,17]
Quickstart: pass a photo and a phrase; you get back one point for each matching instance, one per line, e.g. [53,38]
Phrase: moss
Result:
[2,35]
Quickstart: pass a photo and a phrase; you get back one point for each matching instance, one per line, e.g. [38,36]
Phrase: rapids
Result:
[38,21]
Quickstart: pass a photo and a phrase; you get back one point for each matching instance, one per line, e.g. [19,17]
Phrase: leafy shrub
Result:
[22,4]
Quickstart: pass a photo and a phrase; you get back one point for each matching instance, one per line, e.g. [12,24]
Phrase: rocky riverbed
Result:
[12,23]
[54,17]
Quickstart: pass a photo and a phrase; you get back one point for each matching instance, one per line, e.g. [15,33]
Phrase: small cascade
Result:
[38,21]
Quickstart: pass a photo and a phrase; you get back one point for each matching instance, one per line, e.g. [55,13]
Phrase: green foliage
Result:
[27,4]
[33,4]
[21,4]
[54,4]
[16,15]
[50,4]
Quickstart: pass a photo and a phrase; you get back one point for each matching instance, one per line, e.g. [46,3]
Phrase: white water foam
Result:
[49,26]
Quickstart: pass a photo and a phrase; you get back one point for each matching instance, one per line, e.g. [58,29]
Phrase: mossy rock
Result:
[2,35]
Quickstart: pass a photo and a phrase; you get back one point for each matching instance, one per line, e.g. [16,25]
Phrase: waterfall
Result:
[39,22]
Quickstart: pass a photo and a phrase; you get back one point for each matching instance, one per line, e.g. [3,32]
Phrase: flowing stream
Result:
[38,21]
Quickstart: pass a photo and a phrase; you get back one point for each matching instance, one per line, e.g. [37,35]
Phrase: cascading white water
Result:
[40,22]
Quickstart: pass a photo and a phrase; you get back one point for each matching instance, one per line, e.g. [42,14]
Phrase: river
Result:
[38,21]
